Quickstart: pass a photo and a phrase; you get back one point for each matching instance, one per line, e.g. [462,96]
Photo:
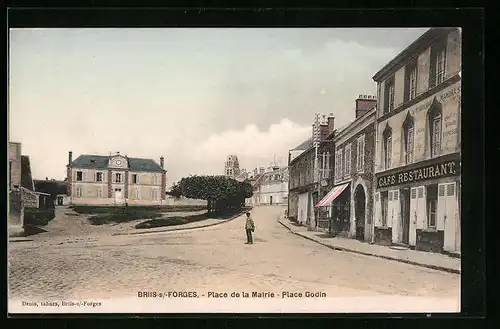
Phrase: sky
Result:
[193,96]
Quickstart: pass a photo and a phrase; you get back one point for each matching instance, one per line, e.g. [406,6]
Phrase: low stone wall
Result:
[16,213]
[184,202]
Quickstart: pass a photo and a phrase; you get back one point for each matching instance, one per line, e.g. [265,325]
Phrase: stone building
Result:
[115,179]
[232,166]
[349,200]
[271,187]
[306,184]
[21,188]
[417,163]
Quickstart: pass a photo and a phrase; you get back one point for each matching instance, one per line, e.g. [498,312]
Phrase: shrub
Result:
[38,217]
[88,209]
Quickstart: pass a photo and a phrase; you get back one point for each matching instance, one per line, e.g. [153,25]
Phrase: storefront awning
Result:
[328,199]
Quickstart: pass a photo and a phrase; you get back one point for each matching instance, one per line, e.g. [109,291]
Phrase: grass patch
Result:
[123,215]
[181,220]
[88,209]
[38,217]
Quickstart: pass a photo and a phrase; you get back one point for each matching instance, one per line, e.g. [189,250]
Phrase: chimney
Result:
[331,123]
[162,162]
[323,131]
[364,104]
[70,158]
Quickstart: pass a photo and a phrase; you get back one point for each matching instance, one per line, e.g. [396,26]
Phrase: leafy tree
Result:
[222,193]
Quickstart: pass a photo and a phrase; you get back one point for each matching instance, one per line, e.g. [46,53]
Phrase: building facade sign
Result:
[435,170]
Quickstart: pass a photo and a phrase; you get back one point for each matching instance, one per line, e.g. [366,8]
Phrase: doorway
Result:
[405,215]
[59,200]
[118,195]
[271,200]
[360,211]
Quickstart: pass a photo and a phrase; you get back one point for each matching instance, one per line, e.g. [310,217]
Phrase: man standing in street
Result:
[249,227]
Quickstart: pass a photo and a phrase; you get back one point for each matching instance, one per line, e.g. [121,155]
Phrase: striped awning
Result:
[328,199]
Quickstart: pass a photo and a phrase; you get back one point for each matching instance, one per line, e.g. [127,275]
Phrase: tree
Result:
[222,193]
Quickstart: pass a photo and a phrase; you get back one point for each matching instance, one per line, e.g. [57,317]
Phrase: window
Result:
[411,81]
[338,165]
[385,207]
[435,123]
[432,197]
[134,179]
[79,192]
[79,176]
[389,95]
[98,177]
[99,193]
[154,194]
[155,179]
[347,170]
[408,129]
[438,64]
[387,147]
[118,177]
[137,193]
[360,164]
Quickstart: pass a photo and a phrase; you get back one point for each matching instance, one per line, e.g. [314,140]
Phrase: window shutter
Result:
[390,209]
[378,211]
[451,202]
[441,207]
[104,176]
[414,207]
[84,176]
[422,208]
[95,176]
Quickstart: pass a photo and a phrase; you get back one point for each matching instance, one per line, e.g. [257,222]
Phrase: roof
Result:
[26,178]
[411,50]
[87,161]
[304,145]
[50,186]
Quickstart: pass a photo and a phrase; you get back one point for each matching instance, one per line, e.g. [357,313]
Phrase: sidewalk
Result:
[419,258]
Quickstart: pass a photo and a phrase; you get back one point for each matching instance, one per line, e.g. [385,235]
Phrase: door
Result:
[59,200]
[302,211]
[450,218]
[407,224]
[271,200]
[118,195]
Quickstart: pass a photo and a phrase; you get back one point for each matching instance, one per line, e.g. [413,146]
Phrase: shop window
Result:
[432,199]
[408,132]
[384,196]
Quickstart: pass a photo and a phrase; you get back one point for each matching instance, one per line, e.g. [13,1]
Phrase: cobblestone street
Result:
[209,259]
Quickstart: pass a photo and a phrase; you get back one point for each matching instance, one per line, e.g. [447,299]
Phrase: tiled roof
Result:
[86,161]
[305,145]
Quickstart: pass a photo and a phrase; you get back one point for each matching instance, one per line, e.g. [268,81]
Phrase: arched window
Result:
[408,136]
[435,128]
[387,147]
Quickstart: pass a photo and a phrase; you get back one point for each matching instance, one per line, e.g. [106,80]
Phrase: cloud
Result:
[253,147]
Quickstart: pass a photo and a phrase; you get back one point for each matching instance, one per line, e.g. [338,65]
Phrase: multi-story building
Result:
[21,188]
[232,166]
[417,163]
[115,179]
[271,187]
[349,201]
[306,182]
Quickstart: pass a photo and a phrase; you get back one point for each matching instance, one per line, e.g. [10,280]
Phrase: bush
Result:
[38,217]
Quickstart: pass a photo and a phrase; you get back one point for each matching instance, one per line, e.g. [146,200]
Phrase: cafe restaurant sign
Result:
[435,170]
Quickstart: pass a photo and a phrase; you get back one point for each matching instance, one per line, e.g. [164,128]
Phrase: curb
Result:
[19,240]
[434,267]
[182,229]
